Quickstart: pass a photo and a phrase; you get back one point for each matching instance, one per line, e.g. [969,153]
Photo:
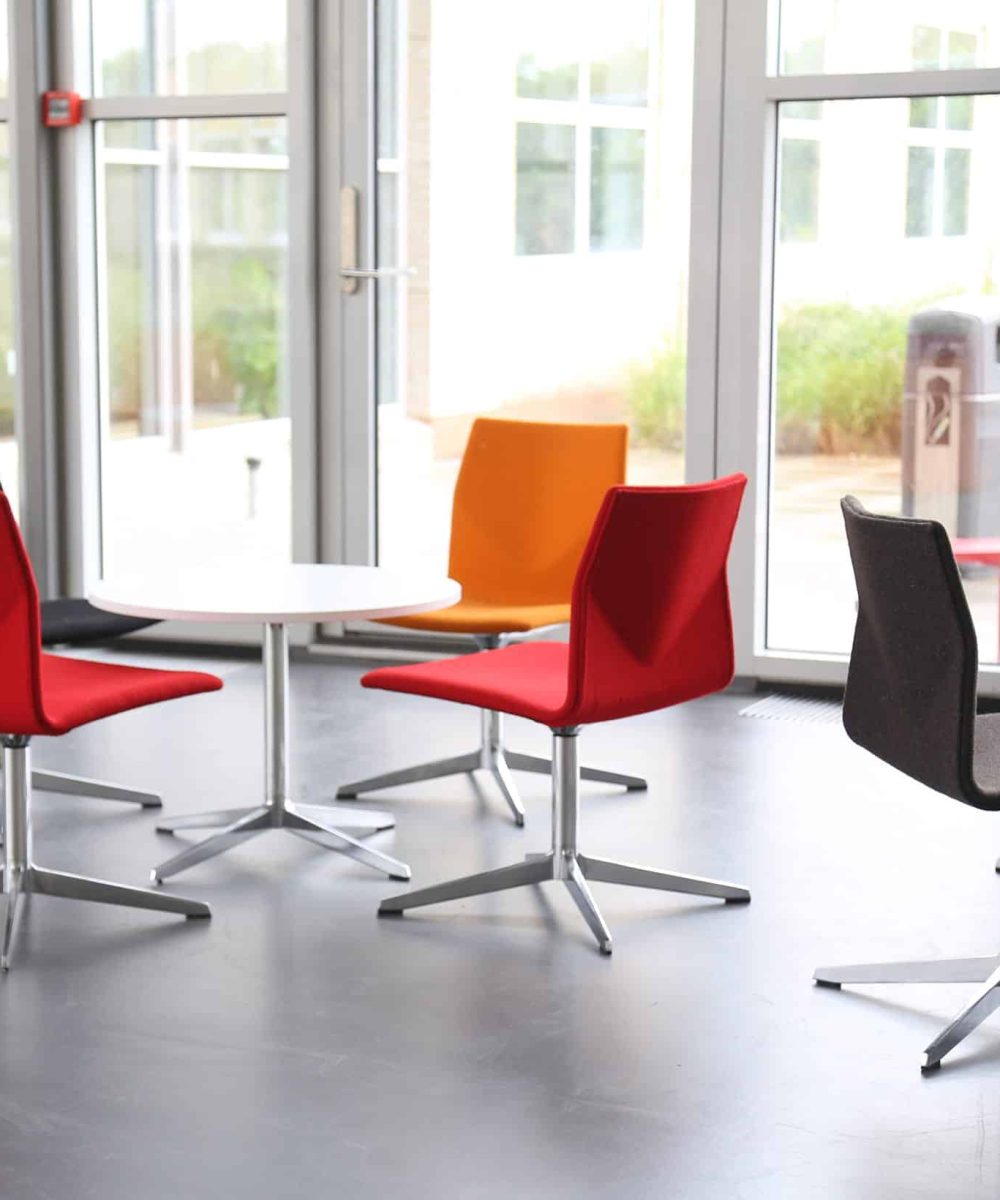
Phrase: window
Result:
[939,159]
[546,185]
[582,107]
[799,207]
[800,148]
[617,158]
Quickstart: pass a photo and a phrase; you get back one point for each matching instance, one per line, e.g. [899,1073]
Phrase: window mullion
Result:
[583,165]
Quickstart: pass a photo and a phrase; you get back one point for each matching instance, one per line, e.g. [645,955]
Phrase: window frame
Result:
[73,525]
[753,89]
[585,114]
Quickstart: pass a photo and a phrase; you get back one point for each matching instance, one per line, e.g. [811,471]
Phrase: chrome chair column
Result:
[565,862]
[21,876]
[312,822]
[492,756]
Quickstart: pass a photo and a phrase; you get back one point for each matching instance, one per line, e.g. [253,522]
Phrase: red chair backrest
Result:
[651,624]
[20,631]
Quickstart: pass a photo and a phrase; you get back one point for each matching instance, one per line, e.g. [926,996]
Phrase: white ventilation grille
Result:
[795,708]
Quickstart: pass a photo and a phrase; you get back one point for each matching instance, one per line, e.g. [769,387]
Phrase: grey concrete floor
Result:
[297,1046]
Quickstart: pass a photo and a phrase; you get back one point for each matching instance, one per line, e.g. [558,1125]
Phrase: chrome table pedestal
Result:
[312,822]
[984,1000]
[565,862]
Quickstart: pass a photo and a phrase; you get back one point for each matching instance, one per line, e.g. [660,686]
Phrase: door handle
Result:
[351,274]
[375,272]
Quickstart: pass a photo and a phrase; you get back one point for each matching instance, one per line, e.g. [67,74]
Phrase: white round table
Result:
[277,595]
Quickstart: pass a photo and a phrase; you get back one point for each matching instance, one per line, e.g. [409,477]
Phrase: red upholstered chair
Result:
[50,695]
[650,627]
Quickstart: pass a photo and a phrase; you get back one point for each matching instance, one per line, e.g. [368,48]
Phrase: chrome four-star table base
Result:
[315,823]
[564,861]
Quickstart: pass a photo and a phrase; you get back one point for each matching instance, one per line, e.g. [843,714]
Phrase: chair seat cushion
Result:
[73,621]
[76,690]
[477,616]
[528,680]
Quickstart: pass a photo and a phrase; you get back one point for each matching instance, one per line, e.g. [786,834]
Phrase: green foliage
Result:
[840,379]
[656,399]
[839,383]
[237,330]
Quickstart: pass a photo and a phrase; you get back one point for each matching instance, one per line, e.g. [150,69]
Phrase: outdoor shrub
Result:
[840,383]
[656,399]
[840,379]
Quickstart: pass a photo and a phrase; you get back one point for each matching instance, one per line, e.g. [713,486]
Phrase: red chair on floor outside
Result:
[45,694]
[650,627]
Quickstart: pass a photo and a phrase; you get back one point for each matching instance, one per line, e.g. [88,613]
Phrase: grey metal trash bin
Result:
[951,416]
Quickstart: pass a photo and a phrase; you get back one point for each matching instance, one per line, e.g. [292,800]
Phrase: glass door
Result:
[536,184]
[9,456]
[190,143]
[862,353]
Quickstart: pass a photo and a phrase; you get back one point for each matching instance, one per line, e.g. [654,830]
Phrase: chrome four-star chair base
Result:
[22,877]
[312,822]
[95,789]
[492,757]
[985,999]
[564,861]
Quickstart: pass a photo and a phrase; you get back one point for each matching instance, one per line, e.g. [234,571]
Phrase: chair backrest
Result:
[651,624]
[525,502]
[20,632]
[911,686]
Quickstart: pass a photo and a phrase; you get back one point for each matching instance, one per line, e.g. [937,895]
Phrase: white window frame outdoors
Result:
[753,89]
[584,115]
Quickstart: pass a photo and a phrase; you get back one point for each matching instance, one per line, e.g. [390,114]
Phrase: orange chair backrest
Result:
[525,501]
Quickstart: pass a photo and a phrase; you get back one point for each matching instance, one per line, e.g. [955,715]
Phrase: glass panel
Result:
[145,47]
[923,112]
[506,207]
[962,51]
[920,192]
[9,458]
[546,188]
[799,205]
[958,112]
[195,460]
[617,180]
[619,61]
[4,49]
[549,51]
[859,37]
[926,48]
[957,163]
[886,379]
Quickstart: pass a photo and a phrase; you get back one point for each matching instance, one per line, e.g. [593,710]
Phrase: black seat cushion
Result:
[73,621]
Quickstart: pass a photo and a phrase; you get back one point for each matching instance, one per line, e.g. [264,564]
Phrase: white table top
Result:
[275,593]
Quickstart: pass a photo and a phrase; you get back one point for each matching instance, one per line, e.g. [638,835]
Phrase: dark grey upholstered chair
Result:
[911,700]
[73,621]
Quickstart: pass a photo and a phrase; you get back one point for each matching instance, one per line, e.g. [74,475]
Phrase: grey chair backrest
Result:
[911,686]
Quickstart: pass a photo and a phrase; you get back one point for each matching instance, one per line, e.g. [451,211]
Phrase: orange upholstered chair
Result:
[525,501]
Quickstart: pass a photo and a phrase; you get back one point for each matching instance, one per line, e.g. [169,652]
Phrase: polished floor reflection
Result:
[296,1045]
